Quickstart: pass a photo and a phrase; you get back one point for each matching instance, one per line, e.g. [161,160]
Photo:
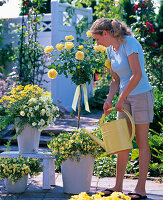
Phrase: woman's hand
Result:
[119,105]
[106,106]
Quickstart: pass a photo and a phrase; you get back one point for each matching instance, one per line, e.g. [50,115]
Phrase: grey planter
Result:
[77,176]
[17,187]
[28,140]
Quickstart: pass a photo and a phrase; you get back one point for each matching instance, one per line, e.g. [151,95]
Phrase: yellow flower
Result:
[107,64]
[59,47]
[99,48]
[52,73]
[70,37]
[48,49]
[89,34]
[104,49]
[80,46]
[79,55]
[69,45]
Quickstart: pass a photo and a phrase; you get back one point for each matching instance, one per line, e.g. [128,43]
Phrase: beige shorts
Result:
[140,107]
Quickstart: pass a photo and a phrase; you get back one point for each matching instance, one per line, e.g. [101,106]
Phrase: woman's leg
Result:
[144,156]
[122,159]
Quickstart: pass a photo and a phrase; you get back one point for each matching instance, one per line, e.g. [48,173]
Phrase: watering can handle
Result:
[129,116]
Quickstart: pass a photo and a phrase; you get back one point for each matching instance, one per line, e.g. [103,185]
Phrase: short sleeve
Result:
[109,53]
[131,45]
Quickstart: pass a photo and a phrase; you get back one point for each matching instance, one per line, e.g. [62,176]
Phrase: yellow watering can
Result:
[116,136]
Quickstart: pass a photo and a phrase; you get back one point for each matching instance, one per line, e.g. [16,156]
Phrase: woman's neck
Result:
[116,45]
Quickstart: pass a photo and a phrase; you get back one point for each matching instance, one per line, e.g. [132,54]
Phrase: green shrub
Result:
[105,166]
[158,108]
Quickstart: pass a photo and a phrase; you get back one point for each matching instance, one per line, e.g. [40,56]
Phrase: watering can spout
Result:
[97,140]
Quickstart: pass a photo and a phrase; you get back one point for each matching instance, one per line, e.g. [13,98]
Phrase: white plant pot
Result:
[28,140]
[77,176]
[17,187]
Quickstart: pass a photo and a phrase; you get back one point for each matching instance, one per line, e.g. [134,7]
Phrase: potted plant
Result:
[15,172]
[80,61]
[75,152]
[31,110]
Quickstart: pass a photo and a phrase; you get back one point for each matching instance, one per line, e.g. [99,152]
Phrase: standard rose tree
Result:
[80,61]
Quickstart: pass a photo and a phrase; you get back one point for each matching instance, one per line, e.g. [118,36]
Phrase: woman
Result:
[135,94]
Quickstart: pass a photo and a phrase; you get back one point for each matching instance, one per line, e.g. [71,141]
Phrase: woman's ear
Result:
[105,33]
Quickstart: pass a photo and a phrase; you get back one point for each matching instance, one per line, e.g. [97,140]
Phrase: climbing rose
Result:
[136,7]
[153,44]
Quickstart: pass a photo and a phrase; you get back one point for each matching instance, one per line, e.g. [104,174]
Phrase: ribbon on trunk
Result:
[76,97]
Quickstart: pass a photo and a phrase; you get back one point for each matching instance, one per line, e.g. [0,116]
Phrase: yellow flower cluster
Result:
[15,168]
[21,93]
[79,61]
[48,49]
[30,104]
[99,196]
[68,145]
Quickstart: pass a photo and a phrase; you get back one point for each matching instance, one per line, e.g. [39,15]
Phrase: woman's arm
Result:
[113,90]
[134,80]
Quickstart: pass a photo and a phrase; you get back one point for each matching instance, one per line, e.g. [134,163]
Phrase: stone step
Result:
[43,140]
[15,148]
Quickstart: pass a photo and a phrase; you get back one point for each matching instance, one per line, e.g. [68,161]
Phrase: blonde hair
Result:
[116,28]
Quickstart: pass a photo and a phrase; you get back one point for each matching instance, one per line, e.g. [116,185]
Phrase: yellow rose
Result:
[59,47]
[48,49]
[80,46]
[52,73]
[69,45]
[89,34]
[70,37]
[98,48]
[79,55]
[104,49]
[107,64]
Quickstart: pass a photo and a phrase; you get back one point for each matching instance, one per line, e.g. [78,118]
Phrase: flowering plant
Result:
[15,168]
[30,105]
[80,61]
[99,196]
[72,145]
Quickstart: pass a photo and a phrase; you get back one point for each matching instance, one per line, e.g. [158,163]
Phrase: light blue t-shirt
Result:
[120,64]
